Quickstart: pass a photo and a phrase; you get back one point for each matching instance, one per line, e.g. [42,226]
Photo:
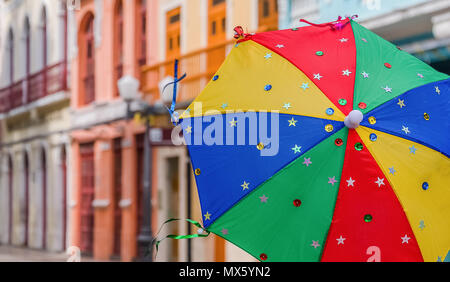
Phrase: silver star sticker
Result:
[346,72]
[340,240]
[405,129]
[380,181]
[317,76]
[405,239]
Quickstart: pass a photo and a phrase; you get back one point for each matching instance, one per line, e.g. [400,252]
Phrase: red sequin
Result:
[297,202]
[387,65]
[338,142]
[263,257]
[362,105]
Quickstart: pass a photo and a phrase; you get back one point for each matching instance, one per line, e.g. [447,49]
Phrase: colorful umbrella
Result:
[324,143]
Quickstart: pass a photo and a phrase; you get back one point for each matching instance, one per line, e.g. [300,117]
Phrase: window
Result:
[173,32]
[27,46]
[118,44]
[11,55]
[87,60]
[44,37]
[142,28]
[268,15]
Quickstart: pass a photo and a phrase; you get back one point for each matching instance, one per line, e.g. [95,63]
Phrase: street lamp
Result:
[129,91]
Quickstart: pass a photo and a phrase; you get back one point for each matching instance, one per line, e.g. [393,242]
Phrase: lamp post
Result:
[128,89]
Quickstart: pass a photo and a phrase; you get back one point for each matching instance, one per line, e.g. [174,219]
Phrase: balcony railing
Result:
[50,80]
[199,66]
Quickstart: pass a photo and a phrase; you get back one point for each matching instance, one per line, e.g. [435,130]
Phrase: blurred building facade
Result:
[142,39]
[420,27]
[34,124]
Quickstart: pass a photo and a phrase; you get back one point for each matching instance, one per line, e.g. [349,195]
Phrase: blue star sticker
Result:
[421,225]
[392,170]
[412,150]
[224,106]
[305,86]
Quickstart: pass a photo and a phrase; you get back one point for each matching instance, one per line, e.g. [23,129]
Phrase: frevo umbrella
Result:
[324,143]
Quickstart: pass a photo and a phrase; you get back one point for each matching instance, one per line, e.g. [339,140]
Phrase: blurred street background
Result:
[86,152]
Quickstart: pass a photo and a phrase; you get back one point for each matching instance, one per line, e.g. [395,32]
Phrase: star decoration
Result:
[405,239]
[264,199]
[340,240]
[401,103]
[305,86]
[280,46]
[343,39]
[268,56]
[350,182]
[388,89]
[346,72]
[420,75]
[287,106]
[421,225]
[438,91]
[292,122]
[224,106]
[365,74]
[224,231]
[207,216]
[245,186]
[297,149]
[189,129]
[332,180]
[233,123]
[405,129]
[315,244]
[307,162]
[413,150]
[380,182]
[317,76]
[392,170]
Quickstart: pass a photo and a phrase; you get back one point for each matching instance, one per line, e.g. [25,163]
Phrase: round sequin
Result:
[426,116]
[297,203]
[268,87]
[330,111]
[329,128]
[198,171]
[373,137]
[368,218]
[425,186]
[260,146]
[359,146]
[362,105]
[387,65]
[263,256]
[342,102]
[319,53]
[216,77]
[338,142]
[372,120]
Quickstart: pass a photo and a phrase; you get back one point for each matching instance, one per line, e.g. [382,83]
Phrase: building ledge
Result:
[43,102]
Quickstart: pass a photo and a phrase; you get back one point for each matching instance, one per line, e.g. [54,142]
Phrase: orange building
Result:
[141,38]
